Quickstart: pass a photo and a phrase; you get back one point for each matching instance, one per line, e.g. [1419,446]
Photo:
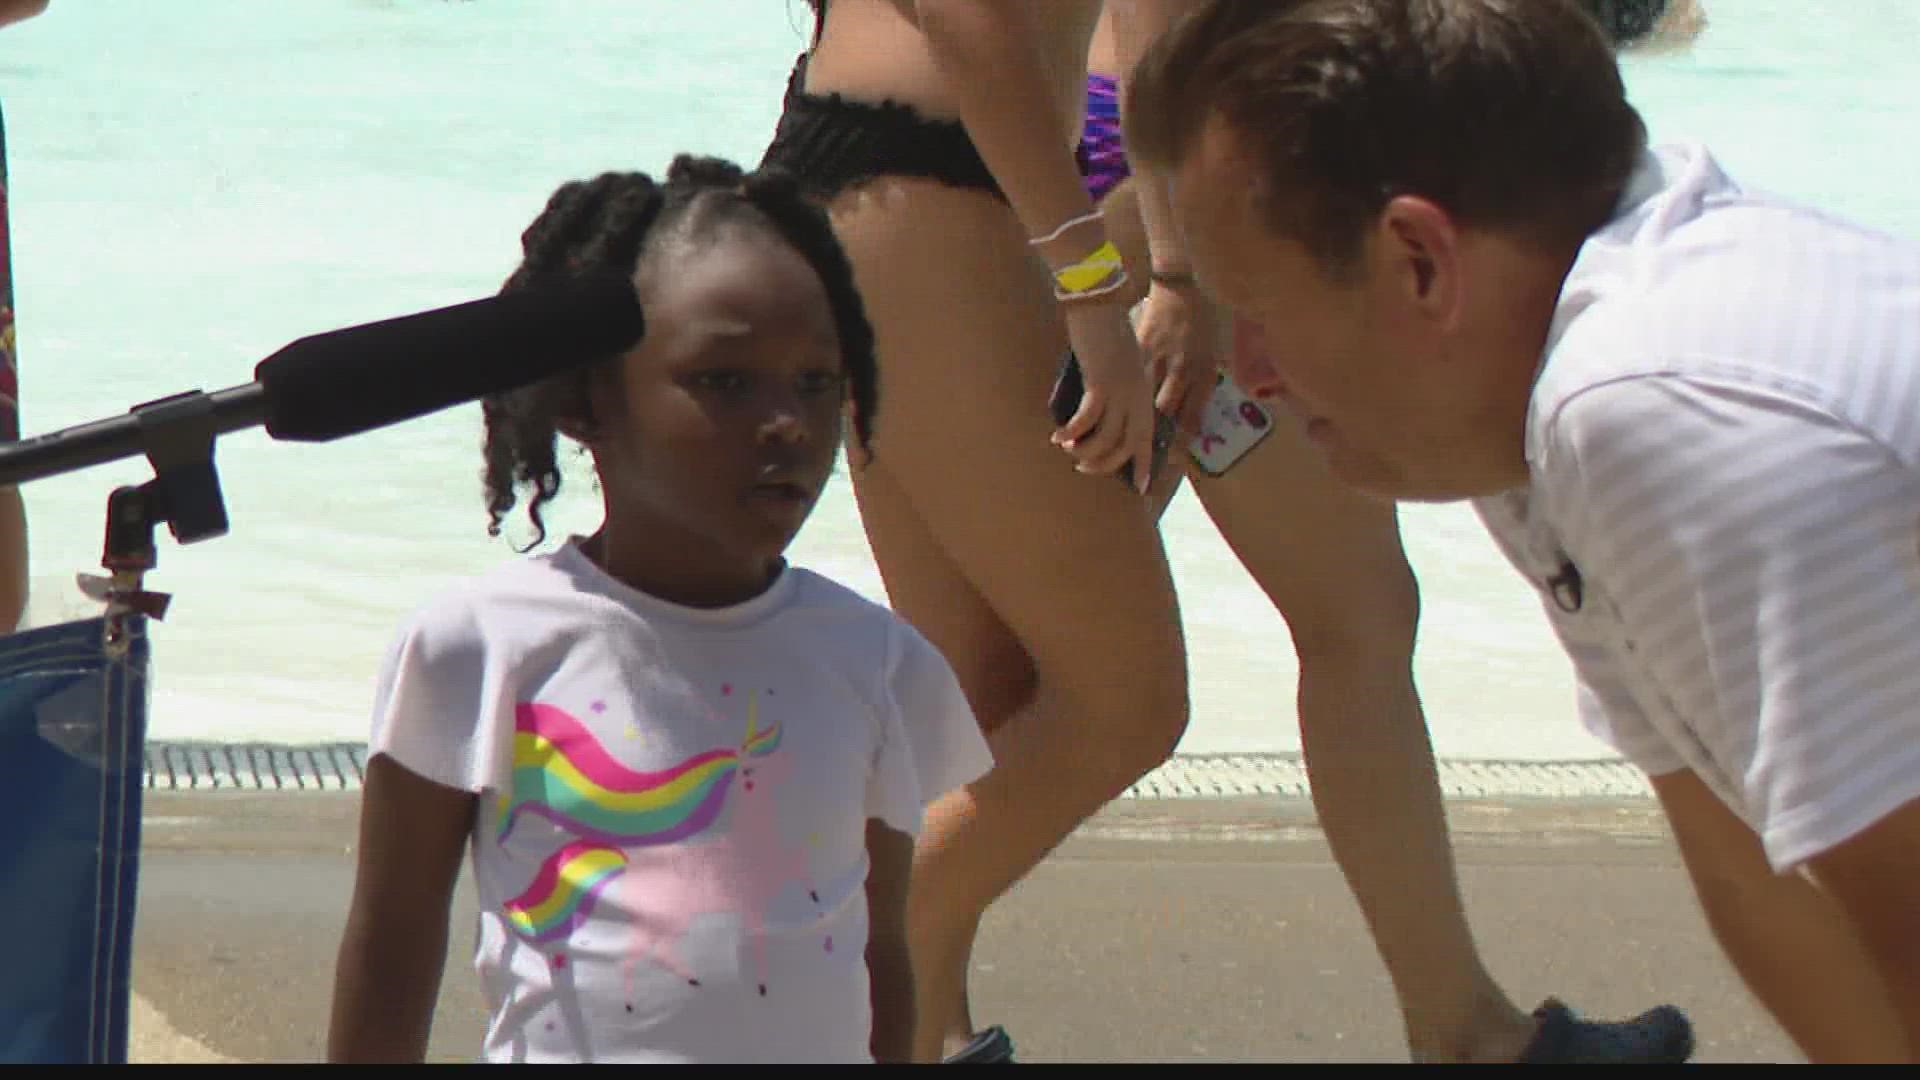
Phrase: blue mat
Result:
[73,714]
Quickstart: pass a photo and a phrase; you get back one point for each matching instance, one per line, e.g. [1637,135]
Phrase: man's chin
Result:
[1387,485]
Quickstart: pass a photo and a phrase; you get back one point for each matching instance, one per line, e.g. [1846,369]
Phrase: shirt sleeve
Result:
[1764,557]
[934,729]
[1607,709]
[430,710]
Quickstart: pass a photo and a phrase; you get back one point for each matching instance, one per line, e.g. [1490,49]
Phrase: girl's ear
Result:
[574,416]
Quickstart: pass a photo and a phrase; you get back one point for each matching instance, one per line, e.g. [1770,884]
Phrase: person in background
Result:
[13,510]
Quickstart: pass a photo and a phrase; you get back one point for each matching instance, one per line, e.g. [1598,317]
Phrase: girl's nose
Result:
[784,419]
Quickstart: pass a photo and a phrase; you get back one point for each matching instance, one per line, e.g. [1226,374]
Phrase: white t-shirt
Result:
[1723,513]
[670,851]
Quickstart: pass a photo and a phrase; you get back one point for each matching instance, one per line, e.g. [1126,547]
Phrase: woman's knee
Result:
[1158,713]
[998,692]
[1135,712]
[1372,617]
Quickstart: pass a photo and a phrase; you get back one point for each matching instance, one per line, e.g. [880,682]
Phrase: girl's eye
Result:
[720,380]
[821,382]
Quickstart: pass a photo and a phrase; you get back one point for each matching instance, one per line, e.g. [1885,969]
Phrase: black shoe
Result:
[989,1047]
[1659,1036]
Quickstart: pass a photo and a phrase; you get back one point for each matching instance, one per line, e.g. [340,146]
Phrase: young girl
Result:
[688,773]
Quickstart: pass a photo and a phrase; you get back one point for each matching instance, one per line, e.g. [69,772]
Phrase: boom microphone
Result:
[348,381]
[343,382]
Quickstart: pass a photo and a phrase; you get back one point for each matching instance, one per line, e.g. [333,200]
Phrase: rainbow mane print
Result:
[563,774]
[564,891]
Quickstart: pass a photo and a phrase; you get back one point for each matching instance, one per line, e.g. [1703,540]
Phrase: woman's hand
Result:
[1115,422]
[1179,330]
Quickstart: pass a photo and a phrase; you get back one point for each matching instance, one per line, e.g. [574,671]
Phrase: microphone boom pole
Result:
[319,388]
[96,443]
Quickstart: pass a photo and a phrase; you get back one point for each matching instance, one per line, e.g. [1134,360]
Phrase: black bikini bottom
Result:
[831,143]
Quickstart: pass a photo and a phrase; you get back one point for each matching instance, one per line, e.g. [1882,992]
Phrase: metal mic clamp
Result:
[178,435]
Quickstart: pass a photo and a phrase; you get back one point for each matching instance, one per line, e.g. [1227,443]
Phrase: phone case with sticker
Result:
[1232,425]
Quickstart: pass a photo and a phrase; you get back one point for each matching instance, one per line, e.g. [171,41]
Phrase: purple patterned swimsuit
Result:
[1102,154]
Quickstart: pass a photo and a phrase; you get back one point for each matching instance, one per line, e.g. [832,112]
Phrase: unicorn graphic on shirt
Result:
[563,774]
[650,835]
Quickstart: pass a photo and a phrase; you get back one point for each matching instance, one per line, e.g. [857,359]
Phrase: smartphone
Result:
[1232,425]
[1070,387]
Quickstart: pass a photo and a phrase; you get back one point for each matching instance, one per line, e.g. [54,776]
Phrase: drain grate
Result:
[342,767]
[255,767]
[1200,776]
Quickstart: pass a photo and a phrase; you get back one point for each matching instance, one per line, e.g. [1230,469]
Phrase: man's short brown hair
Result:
[1508,114]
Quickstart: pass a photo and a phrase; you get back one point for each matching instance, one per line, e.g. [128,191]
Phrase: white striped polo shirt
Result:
[1723,513]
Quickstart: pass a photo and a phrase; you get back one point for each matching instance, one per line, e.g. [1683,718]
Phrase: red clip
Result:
[151,604]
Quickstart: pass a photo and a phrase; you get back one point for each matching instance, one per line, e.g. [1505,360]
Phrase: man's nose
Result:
[1251,362]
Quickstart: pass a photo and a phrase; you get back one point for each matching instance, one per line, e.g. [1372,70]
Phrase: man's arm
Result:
[1764,557]
[1790,942]
[890,859]
[1875,877]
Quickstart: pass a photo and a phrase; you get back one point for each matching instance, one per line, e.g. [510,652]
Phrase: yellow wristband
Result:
[1090,271]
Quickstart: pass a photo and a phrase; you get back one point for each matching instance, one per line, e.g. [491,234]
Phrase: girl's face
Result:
[722,427]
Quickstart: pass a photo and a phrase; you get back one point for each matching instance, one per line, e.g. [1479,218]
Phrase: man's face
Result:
[1360,357]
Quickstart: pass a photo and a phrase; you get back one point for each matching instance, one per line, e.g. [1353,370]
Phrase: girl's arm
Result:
[413,839]
[889,858]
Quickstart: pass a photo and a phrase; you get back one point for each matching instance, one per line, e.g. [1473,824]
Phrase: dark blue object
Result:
[73,714]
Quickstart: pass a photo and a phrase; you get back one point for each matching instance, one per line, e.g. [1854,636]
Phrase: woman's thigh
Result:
[993,544]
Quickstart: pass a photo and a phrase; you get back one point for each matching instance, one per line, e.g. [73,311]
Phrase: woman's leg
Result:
[1331,561]
[1047,590]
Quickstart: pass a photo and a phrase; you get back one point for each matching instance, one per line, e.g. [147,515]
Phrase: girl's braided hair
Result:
[602,225]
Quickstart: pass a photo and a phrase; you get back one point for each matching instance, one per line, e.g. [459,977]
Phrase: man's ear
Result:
[1418,247]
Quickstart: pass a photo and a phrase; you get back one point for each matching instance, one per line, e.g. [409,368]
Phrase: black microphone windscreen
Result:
[359,378]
